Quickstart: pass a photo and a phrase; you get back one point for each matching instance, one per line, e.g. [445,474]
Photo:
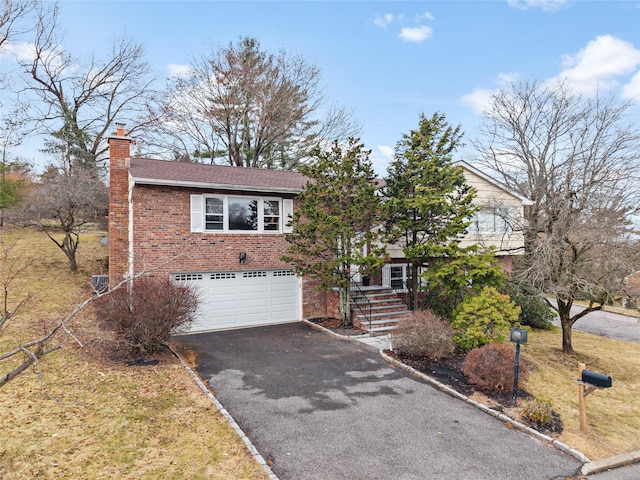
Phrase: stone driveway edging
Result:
[450,391]
[622,460]
[223,411]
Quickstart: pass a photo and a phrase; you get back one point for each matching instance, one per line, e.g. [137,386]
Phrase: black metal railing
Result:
[361,301]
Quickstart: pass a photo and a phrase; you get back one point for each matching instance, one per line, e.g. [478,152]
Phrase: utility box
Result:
[100,283]
[596,379]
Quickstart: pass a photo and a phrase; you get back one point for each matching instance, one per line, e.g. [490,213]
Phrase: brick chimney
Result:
[119,160]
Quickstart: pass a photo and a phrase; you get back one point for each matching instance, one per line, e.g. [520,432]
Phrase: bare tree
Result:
[244,106]
[11,14]
[79,101]
[577,159]
[65,202]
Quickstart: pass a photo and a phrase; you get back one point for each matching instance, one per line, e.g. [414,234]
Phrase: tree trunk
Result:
[345,307]
[415,286]
[564,312]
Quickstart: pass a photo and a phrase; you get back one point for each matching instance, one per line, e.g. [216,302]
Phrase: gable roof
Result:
[494,182]
[199,175]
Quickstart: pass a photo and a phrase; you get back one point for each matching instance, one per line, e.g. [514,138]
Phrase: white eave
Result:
[214,186]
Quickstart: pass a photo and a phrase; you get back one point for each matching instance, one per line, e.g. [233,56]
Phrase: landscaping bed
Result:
[448,370]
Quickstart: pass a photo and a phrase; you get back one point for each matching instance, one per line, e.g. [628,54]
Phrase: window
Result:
[243,214]
[218,213]
[214,217]
[493,220]
[271,215]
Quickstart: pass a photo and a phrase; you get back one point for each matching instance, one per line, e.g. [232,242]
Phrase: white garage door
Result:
[244,299]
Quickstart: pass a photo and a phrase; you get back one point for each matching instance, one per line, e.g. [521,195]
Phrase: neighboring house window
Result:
[217,213]
[493,220]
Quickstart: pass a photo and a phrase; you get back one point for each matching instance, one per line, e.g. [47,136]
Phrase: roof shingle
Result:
[163,172]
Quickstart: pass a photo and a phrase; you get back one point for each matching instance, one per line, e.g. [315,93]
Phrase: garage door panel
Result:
[248,303]
[258,289]
[240,299]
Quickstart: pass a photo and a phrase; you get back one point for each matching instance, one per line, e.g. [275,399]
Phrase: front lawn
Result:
[97,417]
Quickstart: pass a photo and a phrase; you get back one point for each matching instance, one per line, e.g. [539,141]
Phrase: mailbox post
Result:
[588,381]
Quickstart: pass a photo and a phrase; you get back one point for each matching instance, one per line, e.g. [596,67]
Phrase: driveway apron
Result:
[318,407]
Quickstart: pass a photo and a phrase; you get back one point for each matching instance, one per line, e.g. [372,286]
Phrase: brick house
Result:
[217,227]
[222,229]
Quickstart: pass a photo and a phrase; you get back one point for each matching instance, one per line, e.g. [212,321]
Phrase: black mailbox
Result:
[596,379]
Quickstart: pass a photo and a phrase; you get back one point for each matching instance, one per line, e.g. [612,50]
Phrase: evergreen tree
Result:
[428,203]
[334,220]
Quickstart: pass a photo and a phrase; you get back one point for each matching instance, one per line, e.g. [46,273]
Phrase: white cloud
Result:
[478,99]
[22,51]
[177,70]
[425,16]
[606,63]
[416,34]
[545,5]
[381,158]
[386,151]
[601,65]
[383,21]
[631,91]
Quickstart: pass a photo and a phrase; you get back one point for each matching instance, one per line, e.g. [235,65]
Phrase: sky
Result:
[391,61]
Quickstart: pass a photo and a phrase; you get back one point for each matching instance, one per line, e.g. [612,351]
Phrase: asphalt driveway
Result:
[318,407]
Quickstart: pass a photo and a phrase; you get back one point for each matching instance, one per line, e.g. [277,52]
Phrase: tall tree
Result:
[244,106]
[578,159]
[428,203]
[83,99]
[334,219]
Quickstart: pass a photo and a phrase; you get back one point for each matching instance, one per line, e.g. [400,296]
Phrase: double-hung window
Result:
[222,213]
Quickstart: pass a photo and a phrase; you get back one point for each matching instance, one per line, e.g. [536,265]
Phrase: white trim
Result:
[130,228]
[216,186]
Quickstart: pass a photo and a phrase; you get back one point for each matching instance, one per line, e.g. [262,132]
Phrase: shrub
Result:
[538,411]
[491,367]
[423,333]
[144,319]
[534,311]
[484,318]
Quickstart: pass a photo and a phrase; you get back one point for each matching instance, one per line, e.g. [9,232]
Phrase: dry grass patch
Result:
[99,418]
[613,414]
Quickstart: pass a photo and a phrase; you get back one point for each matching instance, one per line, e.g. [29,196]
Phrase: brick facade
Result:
[163,242]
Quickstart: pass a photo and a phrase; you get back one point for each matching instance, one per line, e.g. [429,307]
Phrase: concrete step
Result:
[382,315]
[381,330]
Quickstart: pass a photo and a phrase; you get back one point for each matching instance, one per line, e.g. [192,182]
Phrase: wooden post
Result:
[582,399]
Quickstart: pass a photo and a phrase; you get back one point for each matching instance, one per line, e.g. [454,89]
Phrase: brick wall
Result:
[161,231]
[163,241]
